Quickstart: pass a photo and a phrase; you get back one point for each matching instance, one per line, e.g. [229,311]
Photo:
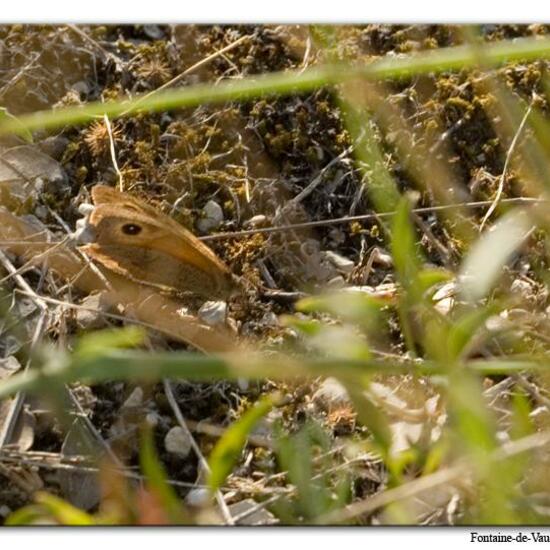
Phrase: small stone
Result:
[41,212]
[519,316]
[152,419]
[444,306]
[211,217]
[256,516]
[336,282]
[331,393]
[9,345]
[243,384]
[80,488]
[27,162]
[523,288]
[503,437]
[134,400]
[25,308]
[93,316]
[5,511]
[153,31]
[270,319]
[198,497]
[8,366]
[381,258]
[337,237]
[84,233]
[54,146]
[263,429]
[85,209]
[342,264]
[81,87]
[256,221]
[444,298]
[213,313]
[498,323]
[178,442]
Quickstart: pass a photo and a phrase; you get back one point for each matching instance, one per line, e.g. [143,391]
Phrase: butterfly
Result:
[133,239]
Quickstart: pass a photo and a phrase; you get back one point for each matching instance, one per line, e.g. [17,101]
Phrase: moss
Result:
[70,151]
[355,228]
[99,32]
[81,173]
[145,155]
[112,94]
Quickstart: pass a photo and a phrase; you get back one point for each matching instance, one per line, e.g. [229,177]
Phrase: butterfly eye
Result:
[131,229]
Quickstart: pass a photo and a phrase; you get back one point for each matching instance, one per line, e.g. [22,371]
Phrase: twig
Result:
[316,181]
[23,70]
[194,67]
[17,403]
[533,390]
[54,461]
[19,479]
[34,260]
[431,481]
[104,53]
[70,305]
[288,491]
[509,153]
[113,152]
[259,506]
[148,305]
[366,217]
[202,427]
[93,430]
[202,461]
[436,243]
[332,221]
[305,58]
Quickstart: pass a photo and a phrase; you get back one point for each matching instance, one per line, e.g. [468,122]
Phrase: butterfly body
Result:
[133,239]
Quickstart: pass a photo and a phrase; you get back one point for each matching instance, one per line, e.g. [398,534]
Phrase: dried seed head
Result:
[97,137]
[154,71]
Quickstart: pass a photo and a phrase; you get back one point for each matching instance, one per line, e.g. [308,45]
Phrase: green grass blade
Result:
[143,366]
[157,478]
[285,82]
[484,262]
[227,450]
